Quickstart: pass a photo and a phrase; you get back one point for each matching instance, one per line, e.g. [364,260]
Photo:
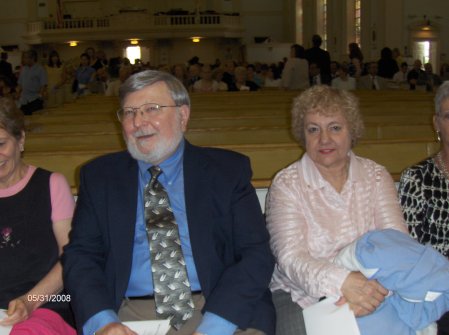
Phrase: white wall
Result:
[13,20]
[267,53]
[262,18]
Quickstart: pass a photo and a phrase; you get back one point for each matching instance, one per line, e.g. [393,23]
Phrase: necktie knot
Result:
[155,171]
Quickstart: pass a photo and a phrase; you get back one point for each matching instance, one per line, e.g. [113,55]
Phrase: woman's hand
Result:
[362,295]
[19,310]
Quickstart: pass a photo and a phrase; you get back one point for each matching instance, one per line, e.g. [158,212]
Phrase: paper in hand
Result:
[4,330]
[327,318]
[153,327]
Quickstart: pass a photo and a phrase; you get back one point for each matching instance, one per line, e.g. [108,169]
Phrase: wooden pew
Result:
[266,159]
[256,124]
[113,139]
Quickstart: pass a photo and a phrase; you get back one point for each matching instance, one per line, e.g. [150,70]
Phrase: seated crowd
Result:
[56,82]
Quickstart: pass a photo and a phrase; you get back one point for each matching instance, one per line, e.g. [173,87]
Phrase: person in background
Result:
[241,82]
[7,88]
[37,208]
[165,199]
[319,56]
[295,75]
[343,81]
[69,73]
[270,78]
[253,75]
[6,68]
[84,75]
[98,61]
[400,77]
[398,57]
[387,65]
[180,72]
[56,79]
[423,190]
[193,75]
[335,66]
[416,77]
[320,204]
[355,60]
[32,84]
[432,79]
[101,59]
[444,71]
[372,81]
[126,69]
[316,77]
[228,75]
[94,61]
[217,75]
[113,82]
[206,83]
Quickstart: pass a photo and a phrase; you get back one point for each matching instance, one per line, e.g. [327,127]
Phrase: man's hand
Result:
[115,328]
[18,310]
[362,295]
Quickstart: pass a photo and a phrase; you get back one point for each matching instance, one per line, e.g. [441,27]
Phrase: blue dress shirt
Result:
[141,280]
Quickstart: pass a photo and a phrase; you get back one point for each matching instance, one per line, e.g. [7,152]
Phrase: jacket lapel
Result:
[123,188]
[198,210]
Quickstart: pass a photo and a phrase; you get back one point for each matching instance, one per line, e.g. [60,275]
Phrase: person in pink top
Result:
[36,209]
[320,204]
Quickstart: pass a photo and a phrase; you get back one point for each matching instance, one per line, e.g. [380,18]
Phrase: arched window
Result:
[322,21]
[299,22]
[357,21]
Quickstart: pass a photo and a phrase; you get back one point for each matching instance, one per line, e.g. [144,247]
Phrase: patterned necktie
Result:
[172,294]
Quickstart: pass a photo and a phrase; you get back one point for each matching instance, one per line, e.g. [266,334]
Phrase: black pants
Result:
[32,106]
[443,324]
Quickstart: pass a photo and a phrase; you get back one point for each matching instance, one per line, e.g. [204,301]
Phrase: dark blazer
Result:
[230,243]
[320,57]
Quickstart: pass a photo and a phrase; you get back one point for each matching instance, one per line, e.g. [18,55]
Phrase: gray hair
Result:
[11,118]
[146,78]
[441,95]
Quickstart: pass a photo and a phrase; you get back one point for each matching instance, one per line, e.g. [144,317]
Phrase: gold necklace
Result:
[442,164]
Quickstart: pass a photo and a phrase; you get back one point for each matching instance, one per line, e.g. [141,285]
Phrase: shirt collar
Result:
[171,167]
[315,180]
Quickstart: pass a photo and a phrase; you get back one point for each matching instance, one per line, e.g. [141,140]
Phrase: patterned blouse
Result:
[423,192]
[310,222]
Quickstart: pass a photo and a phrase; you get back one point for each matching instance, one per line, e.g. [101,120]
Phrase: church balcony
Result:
[138,25]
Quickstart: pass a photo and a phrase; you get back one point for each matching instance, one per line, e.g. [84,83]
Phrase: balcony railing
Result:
[130,20]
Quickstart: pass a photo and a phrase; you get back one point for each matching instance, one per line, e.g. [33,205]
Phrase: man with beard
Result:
[116,266]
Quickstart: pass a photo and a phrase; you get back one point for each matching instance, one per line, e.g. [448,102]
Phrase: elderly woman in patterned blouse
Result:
[320,204]
[424,189]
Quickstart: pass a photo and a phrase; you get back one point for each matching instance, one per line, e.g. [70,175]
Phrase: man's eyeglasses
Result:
[147,111]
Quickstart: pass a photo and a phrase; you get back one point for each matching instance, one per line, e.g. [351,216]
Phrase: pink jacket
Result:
[309,222]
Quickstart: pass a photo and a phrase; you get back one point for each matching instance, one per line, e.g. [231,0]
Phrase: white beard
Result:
[162,151]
